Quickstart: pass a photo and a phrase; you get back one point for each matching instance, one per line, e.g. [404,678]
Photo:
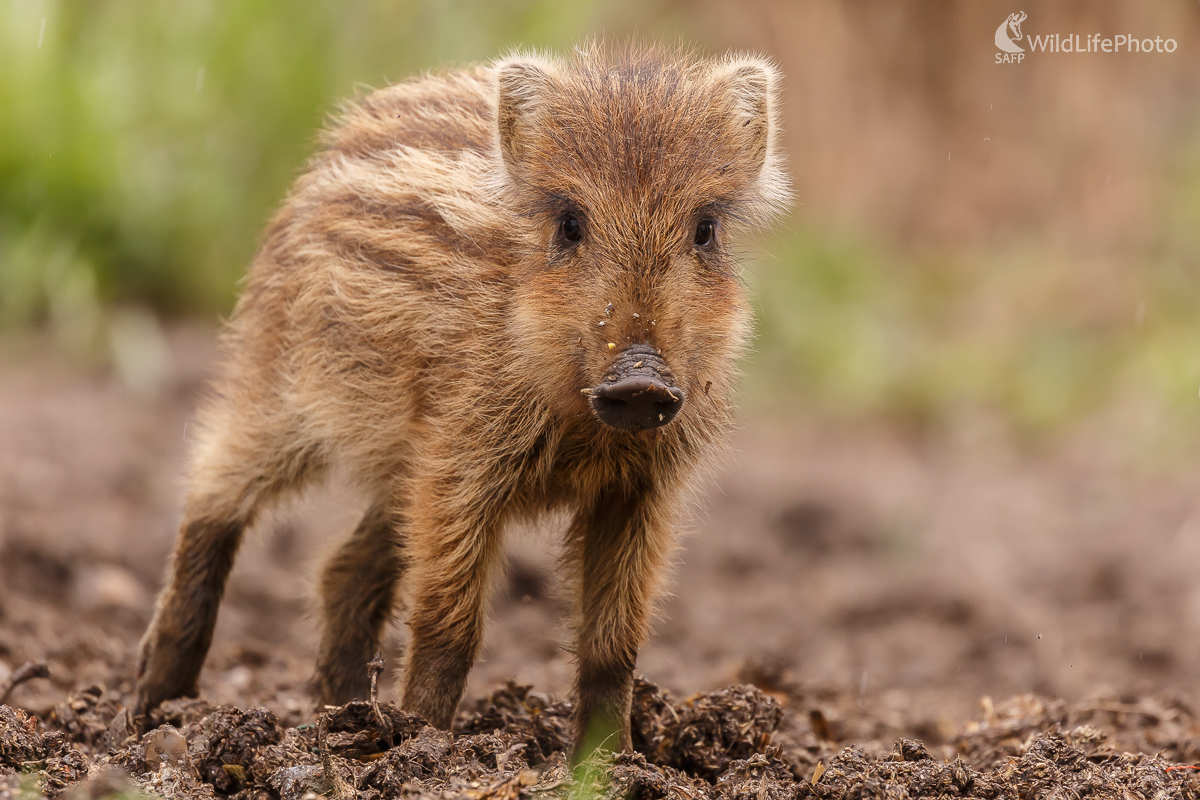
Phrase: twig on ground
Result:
[374,670]
[549,787]
[26,672]
[502,759]
[1119,708]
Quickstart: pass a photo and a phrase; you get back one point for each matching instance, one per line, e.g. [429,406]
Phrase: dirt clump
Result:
[26,747]
[705,734]
[20,738]
[540,726]
[86,715]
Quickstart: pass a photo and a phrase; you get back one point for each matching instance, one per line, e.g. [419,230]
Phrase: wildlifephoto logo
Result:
[1009,34]
[1004,42]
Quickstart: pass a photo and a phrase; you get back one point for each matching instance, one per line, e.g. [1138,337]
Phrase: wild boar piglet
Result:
[495,292]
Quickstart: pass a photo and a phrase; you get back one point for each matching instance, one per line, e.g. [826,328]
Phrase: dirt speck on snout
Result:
[737,742]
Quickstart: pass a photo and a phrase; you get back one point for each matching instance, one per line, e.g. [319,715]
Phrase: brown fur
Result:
[415,314]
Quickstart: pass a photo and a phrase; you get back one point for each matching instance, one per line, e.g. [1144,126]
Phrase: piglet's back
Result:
[388,263]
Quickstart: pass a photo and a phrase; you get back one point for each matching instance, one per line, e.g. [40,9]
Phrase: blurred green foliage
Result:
[859,330]
[143,145]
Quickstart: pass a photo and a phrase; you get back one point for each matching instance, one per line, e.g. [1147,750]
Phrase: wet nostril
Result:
[636,403]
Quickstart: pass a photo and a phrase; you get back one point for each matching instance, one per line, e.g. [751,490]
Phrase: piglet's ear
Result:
[751,87]
[524,83]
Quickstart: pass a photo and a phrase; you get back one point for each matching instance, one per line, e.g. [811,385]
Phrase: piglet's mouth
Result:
[636,393]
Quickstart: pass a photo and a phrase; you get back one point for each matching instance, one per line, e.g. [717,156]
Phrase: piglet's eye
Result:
[569,229]
[705,233]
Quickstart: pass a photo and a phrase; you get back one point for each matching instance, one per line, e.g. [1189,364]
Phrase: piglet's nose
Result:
[637,402]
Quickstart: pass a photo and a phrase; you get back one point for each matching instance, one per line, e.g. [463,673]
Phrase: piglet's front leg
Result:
[620,545]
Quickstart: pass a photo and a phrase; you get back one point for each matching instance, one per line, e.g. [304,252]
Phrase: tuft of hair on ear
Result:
[523,80]
[751,86]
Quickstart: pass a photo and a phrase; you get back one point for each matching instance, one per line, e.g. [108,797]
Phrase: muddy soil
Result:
[879,586]
[737,742]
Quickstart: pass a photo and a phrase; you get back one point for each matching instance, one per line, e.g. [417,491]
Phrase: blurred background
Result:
[1022,241]
[971,413]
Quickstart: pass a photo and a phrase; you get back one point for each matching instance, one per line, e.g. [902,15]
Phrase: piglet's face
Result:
[629,173]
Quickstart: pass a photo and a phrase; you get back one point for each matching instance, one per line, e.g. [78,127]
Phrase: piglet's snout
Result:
[637,394]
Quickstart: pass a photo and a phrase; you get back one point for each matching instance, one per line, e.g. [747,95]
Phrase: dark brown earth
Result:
[879,587]
[738,742]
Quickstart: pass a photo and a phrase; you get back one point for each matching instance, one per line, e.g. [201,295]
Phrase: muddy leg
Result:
[358,595]
[179,636]
[233,475]
[620,546]
[453,554]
